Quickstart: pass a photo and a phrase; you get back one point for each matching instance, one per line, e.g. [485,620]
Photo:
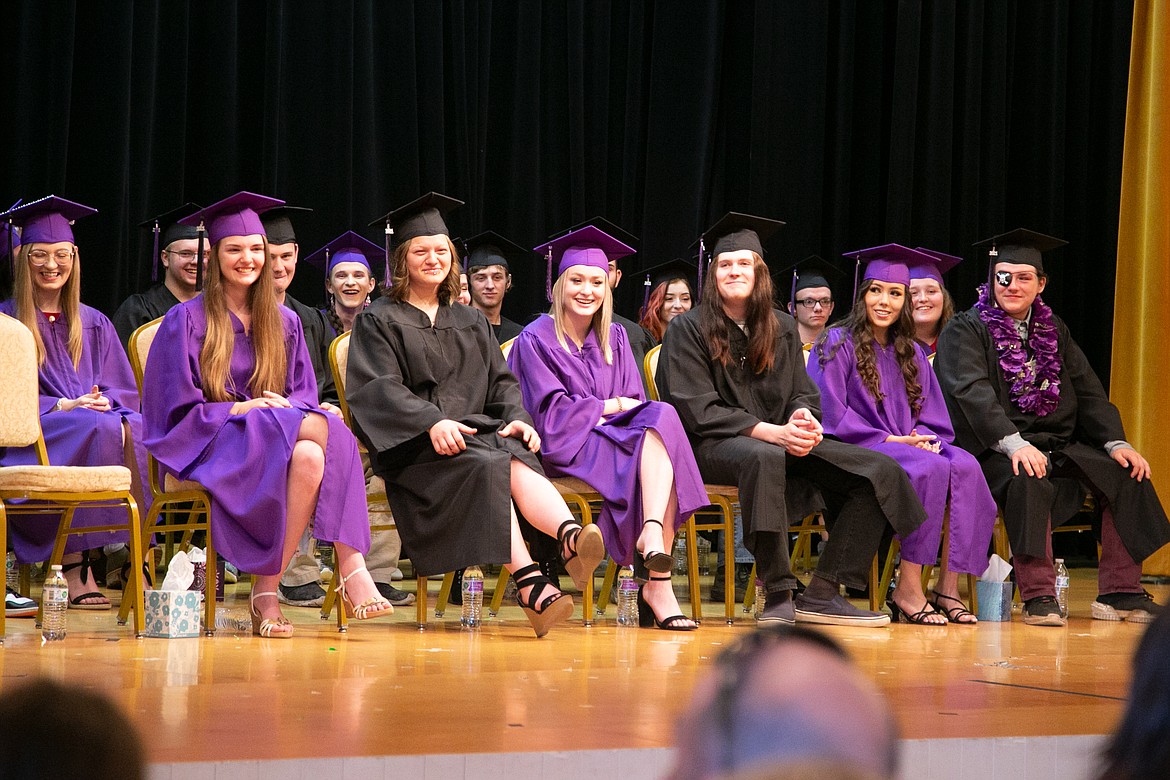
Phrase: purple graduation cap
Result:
[167,230]
[349,247]
[278,226]
[734,232]
[941,263]
[48,220]
[489,248]
[1025,247]
[9,237]
[238,215]
[590,246]
[888,263]
[421,217]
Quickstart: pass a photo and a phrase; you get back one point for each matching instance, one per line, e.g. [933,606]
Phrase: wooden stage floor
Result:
[387,689]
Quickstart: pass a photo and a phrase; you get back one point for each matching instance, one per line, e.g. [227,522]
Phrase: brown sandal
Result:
[953,613]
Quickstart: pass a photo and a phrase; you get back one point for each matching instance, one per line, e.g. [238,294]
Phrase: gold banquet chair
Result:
[56,490]
[187,504]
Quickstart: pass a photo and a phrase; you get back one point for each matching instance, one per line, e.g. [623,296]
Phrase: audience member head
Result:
[1141,747]
[61,731]
[786,698]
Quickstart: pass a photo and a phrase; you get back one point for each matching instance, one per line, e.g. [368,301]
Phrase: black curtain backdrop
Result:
[922,122]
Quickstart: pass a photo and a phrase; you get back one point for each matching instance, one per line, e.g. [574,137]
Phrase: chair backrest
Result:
[506,347]
[20,414]
[650,366]
[140,341]
[338,363]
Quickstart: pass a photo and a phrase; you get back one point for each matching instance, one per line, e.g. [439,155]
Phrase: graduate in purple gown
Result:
[931,304]
[584,392]
[879,391]
[231,403]
[89,401]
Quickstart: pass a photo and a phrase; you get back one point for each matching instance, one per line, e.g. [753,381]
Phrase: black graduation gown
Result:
[506,330]
[318,336]
[141,308]
[641,342]
[404,376]
[716,403]
[1073,435]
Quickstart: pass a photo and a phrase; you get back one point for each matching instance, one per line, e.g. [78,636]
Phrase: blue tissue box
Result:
[172,613]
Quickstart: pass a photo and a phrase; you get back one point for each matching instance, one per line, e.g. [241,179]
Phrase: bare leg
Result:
[542,505]
[658,497]
[76,586]
[948,587]
[908,596]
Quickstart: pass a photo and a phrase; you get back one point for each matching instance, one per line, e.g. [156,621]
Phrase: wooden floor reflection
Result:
[386,688]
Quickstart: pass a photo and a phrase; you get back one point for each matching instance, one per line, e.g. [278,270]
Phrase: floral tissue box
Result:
[172,613]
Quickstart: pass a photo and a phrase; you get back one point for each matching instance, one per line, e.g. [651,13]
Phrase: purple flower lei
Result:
[1034,385]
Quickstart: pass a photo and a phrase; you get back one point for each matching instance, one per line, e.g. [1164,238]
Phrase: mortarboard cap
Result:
[605,226]
[588,245]
[167,230]
[278,226]
[238,215]
[678,268]
[349,247]
[1022,246]
[888,263]
[812,271]
[421,217]
[941,263]
[490,248]
[48,220]
[733,232]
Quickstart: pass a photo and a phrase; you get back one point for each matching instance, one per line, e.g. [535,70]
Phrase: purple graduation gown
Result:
[852,415]
[79,437]
[243,459]
[565,391]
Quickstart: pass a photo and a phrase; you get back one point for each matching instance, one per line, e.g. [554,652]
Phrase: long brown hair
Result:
[268,336]
[26,308]
[652,312]
[399,286]
[599,325]
[762,328]
[901,334]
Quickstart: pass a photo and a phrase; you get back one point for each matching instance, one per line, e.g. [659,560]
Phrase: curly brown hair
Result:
[857,325]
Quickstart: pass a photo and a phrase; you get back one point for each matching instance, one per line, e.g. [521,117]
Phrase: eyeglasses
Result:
[811,303]
[39,257]
[187,255]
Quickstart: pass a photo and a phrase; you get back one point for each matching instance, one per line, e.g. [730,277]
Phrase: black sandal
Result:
[918,618]
[953,613]
[581,548]
[544,613]
[77,602]
[646,562]
[647,618]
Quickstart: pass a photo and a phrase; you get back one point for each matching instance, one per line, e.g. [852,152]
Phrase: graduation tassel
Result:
[154,264]
[548,276]
[389,233]
[702,248]
[201,235]
[856,272]
[646,295]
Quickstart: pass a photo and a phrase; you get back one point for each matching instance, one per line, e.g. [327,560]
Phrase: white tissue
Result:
[180,572]
[998,570]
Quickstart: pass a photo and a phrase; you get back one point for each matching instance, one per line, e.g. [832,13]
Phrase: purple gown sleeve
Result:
[839,417]
[562,419]
[178,423]
[933,418]
[302,379]
[116,380]
[629,373]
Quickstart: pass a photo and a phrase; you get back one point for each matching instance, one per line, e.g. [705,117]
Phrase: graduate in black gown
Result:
[175,247]
[1026,402]
[443,419]
[489,277]
[734,369]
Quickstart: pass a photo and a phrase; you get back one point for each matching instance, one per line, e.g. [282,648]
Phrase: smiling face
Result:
[735,276]
[350,284]
[926,298]
[883,306]
[488,285]
[676,301]
[583,293]
[50,265]
[1024,284]
[241,260]
[179,260]
[428,261]
[283,258]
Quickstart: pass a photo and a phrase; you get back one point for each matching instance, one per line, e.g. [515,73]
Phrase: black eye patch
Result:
[1003,278]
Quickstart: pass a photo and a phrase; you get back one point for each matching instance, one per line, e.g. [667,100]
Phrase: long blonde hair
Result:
[26,309]
[268,337]
[398,286]
[601,318]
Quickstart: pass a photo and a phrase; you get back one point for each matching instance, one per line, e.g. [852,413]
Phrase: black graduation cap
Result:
[490,248]
[812,271]
[733,232]
[167,230]
[1022,246]
[678,268]
[278,226]
[421,217]
[605,226]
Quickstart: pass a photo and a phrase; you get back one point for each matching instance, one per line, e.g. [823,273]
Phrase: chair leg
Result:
[444,594]
[498,594]
[728,561]
[692,546]
[888,570]
[420,603]
[134,581]
[749,593]
[607,586]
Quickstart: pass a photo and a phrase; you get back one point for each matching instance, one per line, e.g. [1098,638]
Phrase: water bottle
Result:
[761,597]
[1062,587]
[627,590]
[704,547]
[54,603]
[11,574]
[680,555]
[472,589]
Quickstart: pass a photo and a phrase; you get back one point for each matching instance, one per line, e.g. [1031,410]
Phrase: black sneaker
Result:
[310,594]
[398,598]
[743,572]
[1043,611]
[779,608]
[1133,607]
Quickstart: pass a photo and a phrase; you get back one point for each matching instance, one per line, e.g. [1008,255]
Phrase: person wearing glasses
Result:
[175,250]
[88,397]
[811,304]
